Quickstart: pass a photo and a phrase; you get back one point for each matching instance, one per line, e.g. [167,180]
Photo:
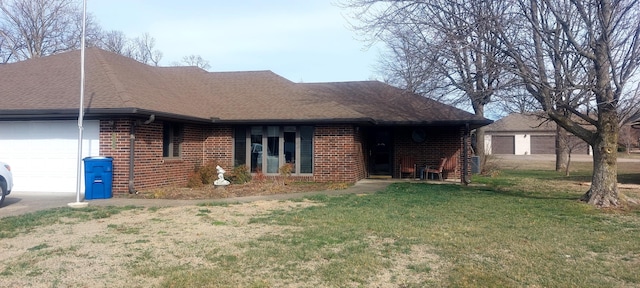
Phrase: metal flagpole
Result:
[78,203]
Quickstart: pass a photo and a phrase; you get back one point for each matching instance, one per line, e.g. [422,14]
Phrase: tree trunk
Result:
[566,168]
[562,149]
[604,181]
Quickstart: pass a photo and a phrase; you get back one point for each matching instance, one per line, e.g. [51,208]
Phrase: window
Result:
[256,149]
[267,148]
[273,149]
[171,140]
[240,146]
[289,138]
[306,149]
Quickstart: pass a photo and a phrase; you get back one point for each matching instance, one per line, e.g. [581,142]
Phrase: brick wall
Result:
[337,154]
[114,142]
[218,145]
[151,170]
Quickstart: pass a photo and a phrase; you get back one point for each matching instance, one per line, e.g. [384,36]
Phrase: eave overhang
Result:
[104,113]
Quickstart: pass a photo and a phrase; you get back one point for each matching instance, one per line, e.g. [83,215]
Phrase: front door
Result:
[380,152]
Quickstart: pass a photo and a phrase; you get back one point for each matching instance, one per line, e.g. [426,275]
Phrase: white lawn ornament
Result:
[220,181]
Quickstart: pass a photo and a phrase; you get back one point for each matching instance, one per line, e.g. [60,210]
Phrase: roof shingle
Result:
[517,122]
[117,83]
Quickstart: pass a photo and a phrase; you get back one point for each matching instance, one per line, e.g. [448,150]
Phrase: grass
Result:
[520,228]
[14,225]
[500,235]
[489,238]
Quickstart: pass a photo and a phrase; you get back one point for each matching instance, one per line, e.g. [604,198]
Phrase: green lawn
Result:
[482,237]
[519,229]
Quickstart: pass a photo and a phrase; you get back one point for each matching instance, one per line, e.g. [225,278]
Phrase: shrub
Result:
[194,181]
[240,175]
[260,176]
[208,172]
[285,172]
[203,175]
[490,167]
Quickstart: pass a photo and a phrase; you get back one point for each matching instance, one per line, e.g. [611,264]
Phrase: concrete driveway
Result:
[19,203]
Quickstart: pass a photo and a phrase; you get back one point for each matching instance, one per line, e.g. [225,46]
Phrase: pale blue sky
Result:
[301,40]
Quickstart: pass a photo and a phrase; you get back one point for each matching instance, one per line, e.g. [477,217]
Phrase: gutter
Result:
[96,113]
[92,113]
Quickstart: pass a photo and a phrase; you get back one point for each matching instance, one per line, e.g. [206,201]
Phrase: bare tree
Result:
[629,106]
[145,51]
[406,64]
[35,28]
[628,138]
[602,39]
[572,143]
[438,48]
[7,50]
[141,48]
[117,42]
[516,100]
[629,112]
[194,60]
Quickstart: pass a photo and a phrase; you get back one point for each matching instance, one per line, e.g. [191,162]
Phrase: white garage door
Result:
[43,154]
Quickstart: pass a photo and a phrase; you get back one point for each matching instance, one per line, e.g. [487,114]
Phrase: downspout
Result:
[465,152]
[132,150]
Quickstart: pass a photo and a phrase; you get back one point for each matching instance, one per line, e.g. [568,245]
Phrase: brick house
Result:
[158,123]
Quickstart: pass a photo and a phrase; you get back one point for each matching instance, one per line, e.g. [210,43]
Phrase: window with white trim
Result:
[267,148]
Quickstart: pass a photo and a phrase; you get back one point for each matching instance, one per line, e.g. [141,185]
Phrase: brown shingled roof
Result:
[387,104]
[517,122]
[119,85]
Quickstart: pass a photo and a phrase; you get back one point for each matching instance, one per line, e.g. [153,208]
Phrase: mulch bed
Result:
[253,188]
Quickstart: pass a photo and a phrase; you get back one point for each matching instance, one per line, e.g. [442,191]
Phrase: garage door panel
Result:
[543,144]
[503,145]
[43,154]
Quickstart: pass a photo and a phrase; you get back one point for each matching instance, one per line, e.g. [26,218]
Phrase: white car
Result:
[6,181]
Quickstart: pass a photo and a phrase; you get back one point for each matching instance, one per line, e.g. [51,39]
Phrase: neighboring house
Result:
[524,134]
[158,123]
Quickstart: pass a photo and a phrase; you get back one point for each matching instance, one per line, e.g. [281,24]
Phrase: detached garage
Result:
[524,134]
[43,154]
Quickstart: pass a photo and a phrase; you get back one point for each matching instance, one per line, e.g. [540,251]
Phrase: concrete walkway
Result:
[18,203]
[552,157]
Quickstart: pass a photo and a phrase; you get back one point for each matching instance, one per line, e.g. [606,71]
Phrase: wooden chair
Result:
[436,169]
[408,166]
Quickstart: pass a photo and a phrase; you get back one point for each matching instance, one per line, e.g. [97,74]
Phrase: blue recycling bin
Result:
[98,177]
